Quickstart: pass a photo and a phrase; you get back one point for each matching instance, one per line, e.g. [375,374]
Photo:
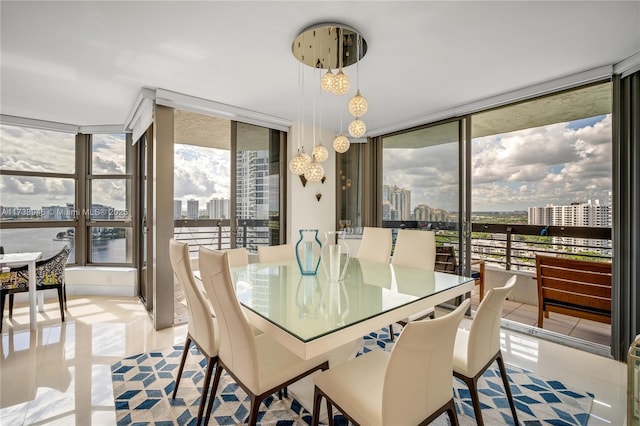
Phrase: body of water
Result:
[44,240]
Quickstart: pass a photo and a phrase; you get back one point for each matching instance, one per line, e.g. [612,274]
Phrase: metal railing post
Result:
[508,251]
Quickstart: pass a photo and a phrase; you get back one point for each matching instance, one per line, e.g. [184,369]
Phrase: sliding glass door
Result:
[421,182]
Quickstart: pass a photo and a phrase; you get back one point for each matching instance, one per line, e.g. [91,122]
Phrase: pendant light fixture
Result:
[330,46]
[358,105]
[320,153]
[300,162]
[341,143]
[341,82]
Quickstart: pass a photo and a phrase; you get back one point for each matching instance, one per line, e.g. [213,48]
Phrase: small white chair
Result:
[238,257]
[415,249]
[411,385]
[202,324]
[278,253]
[476,349]
[259,364]
[375,244]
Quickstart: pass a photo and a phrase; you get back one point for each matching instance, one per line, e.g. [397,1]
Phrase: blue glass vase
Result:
[308,251]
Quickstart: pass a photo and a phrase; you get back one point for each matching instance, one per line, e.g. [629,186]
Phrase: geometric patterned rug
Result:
[142,387]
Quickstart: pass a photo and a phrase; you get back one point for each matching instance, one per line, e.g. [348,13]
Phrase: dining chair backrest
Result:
[420,369]
[375,244]
[416,249]
[238,257]
[237,345]
[278,253]
[201,325]
[484,334]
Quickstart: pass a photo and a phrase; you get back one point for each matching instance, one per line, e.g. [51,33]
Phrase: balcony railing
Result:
[514,246]
[218,233]
[505,246]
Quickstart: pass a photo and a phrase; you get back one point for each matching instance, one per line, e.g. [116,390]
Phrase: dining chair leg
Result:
[185,353]
[315,414]
[61,303]
[451,412]
[329,412]
[205,387]
[507,388]
[254,410]
[391,332]
[475,398]
[2,301]
[214,389]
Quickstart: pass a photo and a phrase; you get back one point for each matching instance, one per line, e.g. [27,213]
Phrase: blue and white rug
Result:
[142,387]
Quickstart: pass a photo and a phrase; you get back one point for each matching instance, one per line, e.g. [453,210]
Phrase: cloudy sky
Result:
[556,164]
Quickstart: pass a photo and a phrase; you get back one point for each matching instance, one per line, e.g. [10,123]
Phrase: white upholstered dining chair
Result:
[201,329]
[415,249]
[375,244]
[477,348]
[277,253]
[238,257]
[410,385]
[258,364]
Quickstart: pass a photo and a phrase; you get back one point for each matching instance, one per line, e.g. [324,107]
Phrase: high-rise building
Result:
[255,190]
[218,208]
[193,209]
[177,209]
[399,202]
[575,214]
[591,214]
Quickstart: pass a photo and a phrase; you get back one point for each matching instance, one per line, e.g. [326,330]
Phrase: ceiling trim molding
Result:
[205,106]
[628,65]
[39,124]
[105,129]
[529,92]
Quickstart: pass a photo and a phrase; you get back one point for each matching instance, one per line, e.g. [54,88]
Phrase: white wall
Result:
[303,210]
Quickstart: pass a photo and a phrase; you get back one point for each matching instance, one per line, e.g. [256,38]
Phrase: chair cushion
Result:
[277,364]
[356,385]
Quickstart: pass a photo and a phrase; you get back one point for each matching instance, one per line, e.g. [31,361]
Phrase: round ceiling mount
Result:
[320,46]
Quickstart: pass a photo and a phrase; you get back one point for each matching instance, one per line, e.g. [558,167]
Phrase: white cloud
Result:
[551,164]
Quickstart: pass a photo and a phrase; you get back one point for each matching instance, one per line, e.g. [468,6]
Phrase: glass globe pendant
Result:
[314,172]
[341,83]
[357,128]
[358,105]
[320,154]
[341,144]
[326,82]
[300,163]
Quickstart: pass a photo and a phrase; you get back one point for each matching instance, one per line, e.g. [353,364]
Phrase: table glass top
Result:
[310,307]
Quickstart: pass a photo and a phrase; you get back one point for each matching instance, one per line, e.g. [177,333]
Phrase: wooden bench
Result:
[579,288]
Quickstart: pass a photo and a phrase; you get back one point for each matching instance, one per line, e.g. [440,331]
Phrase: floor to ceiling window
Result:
[541,184]
[109,229]
[51,196]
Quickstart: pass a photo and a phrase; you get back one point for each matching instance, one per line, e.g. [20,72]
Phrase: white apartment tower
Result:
[591,214]
[177,209]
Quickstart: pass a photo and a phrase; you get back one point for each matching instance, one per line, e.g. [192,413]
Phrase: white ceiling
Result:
[84,63]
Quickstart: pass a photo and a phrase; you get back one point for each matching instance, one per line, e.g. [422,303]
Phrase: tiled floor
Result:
[60,373]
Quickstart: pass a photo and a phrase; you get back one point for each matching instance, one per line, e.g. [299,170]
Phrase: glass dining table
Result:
[312,315]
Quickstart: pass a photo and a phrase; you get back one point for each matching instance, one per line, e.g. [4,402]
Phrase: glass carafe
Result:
[335,255]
